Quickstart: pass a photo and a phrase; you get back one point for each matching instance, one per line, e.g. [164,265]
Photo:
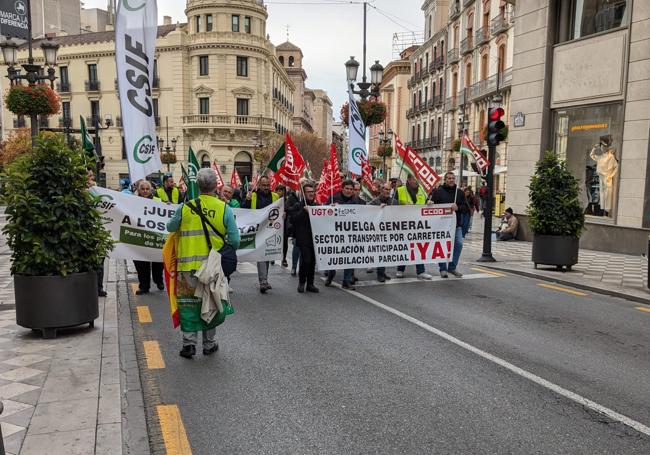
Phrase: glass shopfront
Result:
[589,139]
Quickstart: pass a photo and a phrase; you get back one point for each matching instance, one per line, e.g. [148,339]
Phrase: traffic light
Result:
[496,127]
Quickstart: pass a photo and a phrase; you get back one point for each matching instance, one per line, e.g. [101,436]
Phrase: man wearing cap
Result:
[168,192]
[509,227]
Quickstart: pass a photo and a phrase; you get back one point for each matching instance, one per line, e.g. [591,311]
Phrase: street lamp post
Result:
[463,124]
[385,140]
[259,144]
[108,119]
[32,71]
[164,144]
[366,88]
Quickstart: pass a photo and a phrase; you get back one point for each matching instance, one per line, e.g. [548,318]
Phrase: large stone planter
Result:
[49,303]
[558,250]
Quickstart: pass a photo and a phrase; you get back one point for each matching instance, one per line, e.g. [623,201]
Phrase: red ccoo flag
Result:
[235,181]
[220,182]
[427,177]
[292,167]
[330,179]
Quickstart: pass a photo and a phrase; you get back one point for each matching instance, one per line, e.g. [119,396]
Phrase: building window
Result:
[413,133]
[92,73]
[281,60]
[197,21]
[235,23]
[242,106]
[156,114]
[63,75]
[291,61]
[247,24]
[579,18]
[204,106]
[595,166]
[94,113]
[208,23]
[242,66]
[203,65]
[123,148]
[424,130]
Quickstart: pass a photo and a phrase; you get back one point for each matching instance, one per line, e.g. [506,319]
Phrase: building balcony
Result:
[454,10]
[467,2]
[453,56]
[424,72]
[488,86]
[430,103]
[482,36]
[439,62]
[501,23]
[432,67]
[43,122]
[63,87]
[451,104]
[92,86]
[410,113]
[435,141]
[438,100]
[467,45]
[252,122]
[19,122]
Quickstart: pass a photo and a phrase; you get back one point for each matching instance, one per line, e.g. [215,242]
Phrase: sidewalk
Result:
[619,275]
[68,395]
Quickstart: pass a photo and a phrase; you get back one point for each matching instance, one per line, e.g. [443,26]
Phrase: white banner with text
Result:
[358,236]
[138,227]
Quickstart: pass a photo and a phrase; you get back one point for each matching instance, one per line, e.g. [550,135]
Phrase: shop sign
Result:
[590,126]
[14,20]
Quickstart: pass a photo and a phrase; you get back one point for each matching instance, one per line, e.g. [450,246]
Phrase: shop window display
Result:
[589,139]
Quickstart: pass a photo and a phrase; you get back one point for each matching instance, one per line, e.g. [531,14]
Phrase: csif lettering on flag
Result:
[135,45]
[357,151]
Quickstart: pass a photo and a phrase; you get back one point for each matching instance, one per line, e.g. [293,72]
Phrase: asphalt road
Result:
[339,373]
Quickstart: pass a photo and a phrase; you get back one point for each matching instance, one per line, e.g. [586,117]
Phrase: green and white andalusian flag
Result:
[192,174]
[277,159]
[87,143]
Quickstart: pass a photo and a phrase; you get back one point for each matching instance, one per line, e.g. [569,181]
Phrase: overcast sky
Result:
[328,32]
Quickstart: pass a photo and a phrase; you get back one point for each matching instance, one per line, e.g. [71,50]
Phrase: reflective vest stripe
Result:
[198,232]
[192,247]
[191,259]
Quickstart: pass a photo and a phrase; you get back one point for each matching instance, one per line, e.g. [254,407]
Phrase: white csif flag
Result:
[357,153]
[136,28]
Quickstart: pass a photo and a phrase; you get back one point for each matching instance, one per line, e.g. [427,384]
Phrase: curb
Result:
[586,287]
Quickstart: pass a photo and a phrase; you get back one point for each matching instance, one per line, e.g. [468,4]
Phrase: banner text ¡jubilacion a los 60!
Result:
[348,237]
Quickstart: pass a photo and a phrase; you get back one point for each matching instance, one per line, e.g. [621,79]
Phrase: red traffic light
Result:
[496,113]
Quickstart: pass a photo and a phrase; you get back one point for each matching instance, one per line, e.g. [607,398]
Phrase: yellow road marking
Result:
[489,272]
[558,288]
[144,315]
[173,430]
[644,309]
[154,356]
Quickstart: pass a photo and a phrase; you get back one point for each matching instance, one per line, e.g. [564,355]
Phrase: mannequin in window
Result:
[606,168]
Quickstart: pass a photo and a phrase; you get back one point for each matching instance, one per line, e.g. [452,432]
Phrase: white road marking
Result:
[394,280]
[246,268]
[641,428]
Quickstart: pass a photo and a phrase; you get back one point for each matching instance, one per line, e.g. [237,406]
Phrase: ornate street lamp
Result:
[32,72]
[169,155]
[366,88]
[97,122]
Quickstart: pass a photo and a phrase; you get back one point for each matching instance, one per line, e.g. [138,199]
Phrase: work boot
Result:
[141,292]
[212,350]
[161,286]
[381,278]
[285,263]
[399,274]
[312,288]
[348,286]
[293,272]
[328,281]
[301,288]
[188,351]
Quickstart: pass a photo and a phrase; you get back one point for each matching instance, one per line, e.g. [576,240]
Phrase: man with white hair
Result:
[203,224]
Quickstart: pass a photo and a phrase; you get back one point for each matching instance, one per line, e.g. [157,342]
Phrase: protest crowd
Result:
[205,222]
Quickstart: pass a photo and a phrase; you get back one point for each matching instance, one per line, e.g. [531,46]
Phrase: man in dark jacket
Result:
[258,199]
[297,211]
[449,193]
[344,197]
[383,200]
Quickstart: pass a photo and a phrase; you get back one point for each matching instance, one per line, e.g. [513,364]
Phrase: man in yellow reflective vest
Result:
[258,199]
[169,192]
[412,194]
[193,249]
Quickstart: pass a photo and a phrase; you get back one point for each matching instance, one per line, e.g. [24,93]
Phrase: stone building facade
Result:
[322,115]
[581,88]
[218,85]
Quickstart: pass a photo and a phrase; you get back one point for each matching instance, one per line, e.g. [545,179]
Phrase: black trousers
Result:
[146,270]
[307,264]
[285,246]
[100,276]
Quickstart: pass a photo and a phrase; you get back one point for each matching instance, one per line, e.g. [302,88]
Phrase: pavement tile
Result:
[30,397]
[14,442]
[20,374]
[109,439]
[8,429]
[22,418]
[80,442]
[15,389]
[79,415]
[37,380]
[25,360]
[12,407]
[76,383]
[108,412]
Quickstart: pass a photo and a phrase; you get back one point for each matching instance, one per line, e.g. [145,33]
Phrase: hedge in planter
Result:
[556,217]
[55,234]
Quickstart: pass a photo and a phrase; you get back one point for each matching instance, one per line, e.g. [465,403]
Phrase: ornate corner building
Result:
[220,86]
